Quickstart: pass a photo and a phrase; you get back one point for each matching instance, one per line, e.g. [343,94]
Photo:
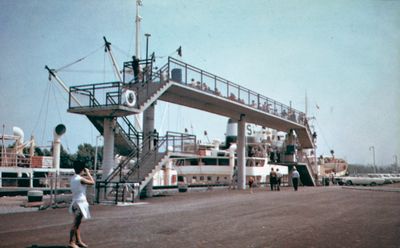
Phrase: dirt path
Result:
[311,217]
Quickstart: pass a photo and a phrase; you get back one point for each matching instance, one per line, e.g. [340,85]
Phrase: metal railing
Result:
[186,74]
[150,152]
[119,189]
[107,94]
[154,148]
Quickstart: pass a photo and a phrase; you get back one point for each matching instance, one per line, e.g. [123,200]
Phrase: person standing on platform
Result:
[278,179]
[295,178]
[155,139]
[272,179]
[79,205]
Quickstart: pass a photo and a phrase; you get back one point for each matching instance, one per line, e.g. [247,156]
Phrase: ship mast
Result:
[137,20]
[52,73]
[107,46]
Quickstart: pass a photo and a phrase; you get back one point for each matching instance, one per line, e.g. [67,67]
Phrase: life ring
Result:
[129,98]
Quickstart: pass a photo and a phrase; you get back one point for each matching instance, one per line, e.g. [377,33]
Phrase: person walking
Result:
[79,205]
[251,184]
[295,178]
[278,179]
[272,179]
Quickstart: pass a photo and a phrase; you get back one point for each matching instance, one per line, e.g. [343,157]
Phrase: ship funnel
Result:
[58,132]
[60,129]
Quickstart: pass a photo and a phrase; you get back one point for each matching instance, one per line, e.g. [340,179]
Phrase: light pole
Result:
[95,164]
[372,148]
[395,162]
[147,46]
[95,157]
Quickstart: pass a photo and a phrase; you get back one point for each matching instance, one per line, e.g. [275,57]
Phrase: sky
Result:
[345,55]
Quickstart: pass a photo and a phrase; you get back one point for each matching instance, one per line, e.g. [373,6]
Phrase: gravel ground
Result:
[311,217]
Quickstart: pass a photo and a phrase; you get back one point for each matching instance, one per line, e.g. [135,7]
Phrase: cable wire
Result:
[78,60]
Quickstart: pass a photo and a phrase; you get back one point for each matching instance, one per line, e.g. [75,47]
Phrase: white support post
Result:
[241,155]
[108,156]
[30,179]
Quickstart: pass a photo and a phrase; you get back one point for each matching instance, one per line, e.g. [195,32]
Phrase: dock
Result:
[332,216]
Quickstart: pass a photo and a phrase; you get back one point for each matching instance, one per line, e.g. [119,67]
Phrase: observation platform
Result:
[186,85]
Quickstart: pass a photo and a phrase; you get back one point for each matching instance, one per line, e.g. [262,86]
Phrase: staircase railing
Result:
[145,160]
[147,157]
[135,154]
[171,142]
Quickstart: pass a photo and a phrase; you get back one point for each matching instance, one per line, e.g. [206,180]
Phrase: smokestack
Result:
[58,132]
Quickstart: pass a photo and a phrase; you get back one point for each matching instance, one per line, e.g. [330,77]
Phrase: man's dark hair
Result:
[78,166]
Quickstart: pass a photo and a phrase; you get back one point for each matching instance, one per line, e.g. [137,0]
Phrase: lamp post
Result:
[95,164]
[372,148]
[95,157]
[395,162]
[147,46]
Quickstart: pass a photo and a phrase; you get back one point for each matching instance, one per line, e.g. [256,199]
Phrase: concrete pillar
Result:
[149,188]
[148,128]
[241,153]
[108,152]
[148,124]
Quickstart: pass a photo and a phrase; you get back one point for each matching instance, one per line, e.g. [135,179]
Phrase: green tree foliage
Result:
[86,153]
[66,160]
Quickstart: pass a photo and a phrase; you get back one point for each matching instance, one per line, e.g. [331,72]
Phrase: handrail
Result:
[150,153]
[133,154]
[210,82]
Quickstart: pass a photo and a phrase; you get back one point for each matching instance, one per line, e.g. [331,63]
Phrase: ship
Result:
[214,164]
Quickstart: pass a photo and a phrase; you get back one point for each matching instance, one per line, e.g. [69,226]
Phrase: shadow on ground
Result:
[47,246]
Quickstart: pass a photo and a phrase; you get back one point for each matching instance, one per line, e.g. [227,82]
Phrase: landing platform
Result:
[104,111]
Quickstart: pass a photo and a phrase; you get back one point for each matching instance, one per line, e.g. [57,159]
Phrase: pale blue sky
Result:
[345,54]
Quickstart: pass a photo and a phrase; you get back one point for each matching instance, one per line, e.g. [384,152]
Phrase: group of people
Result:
[275,179]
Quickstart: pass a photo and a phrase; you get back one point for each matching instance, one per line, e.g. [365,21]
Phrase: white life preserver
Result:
[129,98]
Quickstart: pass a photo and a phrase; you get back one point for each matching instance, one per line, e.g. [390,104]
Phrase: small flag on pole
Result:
[179,50]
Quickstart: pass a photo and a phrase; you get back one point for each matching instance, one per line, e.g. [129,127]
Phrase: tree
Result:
[66,160]
[86,154]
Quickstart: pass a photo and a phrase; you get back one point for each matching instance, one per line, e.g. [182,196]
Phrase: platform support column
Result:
[241,158]
[148,129]
[148,125]
[108,156]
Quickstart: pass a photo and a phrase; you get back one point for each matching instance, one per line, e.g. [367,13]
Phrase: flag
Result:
[179,50]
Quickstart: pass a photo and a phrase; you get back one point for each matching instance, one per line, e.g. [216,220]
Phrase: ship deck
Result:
[311,217]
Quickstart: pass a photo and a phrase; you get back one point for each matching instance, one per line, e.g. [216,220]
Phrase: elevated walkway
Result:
[181,83]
